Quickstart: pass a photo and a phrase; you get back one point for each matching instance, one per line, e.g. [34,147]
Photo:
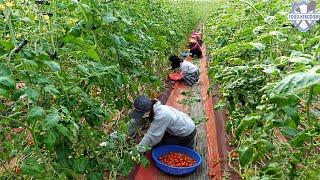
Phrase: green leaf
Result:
[7,44]
[295,82]
[52,119]
[52,90]
[76,30]
[80,164]
[33,168]
[269,19]
[302,60]
[95,176]
[15,115]
[30,63]
[271,70]
[245,123]
[4,70]
[93,54]
[3,108]
[278,34]
[7,82]
[316,89]
[258,155]
[75,90]
[35,113]
[4,92]
[273,168]
[64,131]
[43,79]
[17,94]
[258,46]
[289,131]
[117,40]
[51,138]
[53,65]
[144,161]
[293,114]
[109,18]
[285,101]
[124,55]
[83,69]
[73,130]
[300,139]
[246,155]
[32,94]
[269,146]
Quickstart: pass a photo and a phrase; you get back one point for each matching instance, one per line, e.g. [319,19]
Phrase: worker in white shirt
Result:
[190,72]
[168,126]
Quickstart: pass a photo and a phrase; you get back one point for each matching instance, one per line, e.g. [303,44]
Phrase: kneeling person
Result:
[168,126]
[190,72]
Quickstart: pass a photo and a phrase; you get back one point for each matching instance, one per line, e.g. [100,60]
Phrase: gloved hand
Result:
[141,148]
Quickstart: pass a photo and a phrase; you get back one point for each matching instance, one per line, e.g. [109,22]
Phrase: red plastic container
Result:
[175,76]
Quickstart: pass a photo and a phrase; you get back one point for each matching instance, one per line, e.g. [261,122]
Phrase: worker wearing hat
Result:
[168,126]
[190,72]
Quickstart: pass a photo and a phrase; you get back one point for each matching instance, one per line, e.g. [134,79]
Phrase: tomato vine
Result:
[72,79]
[268,74]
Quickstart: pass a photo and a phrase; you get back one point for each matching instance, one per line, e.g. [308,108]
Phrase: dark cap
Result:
[174,59]
[142,104]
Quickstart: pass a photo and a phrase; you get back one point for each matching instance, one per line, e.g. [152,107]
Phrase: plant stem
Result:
[92,32]
[97,158]
[31,130]
[51,35]
[308,105]
[254,8]
[10,55]
[38,150]
[16,121]
[7,15]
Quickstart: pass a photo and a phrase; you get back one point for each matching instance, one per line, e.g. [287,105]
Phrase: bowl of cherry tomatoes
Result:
[176,160]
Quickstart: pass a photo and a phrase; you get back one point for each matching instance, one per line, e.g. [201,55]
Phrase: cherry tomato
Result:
[176,159]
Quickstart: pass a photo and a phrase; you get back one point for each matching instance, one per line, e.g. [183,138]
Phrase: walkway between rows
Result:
[197,103]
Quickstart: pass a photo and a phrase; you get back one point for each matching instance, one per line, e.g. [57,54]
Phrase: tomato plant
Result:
[268,74]
[69,71]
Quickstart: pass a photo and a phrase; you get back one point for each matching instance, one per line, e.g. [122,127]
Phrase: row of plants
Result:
[269,78]
[69,71]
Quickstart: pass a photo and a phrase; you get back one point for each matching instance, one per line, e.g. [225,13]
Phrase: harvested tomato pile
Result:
[176,159]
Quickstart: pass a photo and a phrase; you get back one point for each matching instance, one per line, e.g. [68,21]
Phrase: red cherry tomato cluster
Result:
[176,159]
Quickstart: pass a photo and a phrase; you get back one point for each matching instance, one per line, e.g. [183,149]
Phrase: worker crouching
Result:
[168,126]
[190,72]
[195,44]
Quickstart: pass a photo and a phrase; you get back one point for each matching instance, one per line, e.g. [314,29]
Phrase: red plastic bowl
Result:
[175,76]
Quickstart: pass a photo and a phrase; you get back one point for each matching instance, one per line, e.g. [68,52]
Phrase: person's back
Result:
[180,123]
[195,47]
[188,67]
[190,72]
[167,124]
